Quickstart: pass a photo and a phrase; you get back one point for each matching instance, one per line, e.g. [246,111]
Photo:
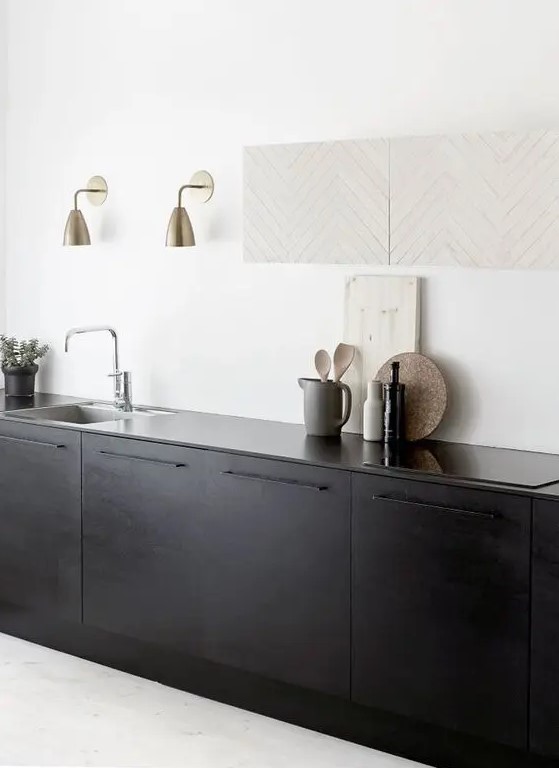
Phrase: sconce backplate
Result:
[204,179]
[97,183]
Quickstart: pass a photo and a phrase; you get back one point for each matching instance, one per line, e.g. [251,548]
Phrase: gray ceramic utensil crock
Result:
[324,410]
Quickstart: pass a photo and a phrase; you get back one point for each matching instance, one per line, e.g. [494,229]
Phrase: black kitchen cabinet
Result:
[241,561]
[278,580]
[40,519]
[544,699]
[440,605]
[143,515]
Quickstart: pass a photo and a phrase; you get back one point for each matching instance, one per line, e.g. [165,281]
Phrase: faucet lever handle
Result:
[123,389]
[118,377]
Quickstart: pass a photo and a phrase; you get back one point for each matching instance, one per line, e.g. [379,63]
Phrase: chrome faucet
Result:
[123,379]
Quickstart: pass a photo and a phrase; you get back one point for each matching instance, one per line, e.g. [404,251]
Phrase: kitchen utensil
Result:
[426,393]
[324,409]
[322,364]
[343,358]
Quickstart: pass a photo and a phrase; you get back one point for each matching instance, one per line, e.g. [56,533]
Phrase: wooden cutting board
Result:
[381,319]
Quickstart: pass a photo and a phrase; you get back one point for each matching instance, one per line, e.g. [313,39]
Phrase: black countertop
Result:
[523,472]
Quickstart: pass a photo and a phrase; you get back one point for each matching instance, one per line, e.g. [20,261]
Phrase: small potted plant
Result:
[19,364]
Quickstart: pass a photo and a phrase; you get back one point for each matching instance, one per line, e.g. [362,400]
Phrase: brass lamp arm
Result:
[87,189]
[189,186]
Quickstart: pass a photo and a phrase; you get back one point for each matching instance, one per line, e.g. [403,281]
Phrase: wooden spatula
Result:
[343,358]
[323,364]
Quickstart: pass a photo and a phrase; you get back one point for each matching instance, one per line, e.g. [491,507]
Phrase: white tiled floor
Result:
[59,710]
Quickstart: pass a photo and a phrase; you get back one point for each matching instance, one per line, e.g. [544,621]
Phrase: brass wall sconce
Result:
[179,231]
[76,231]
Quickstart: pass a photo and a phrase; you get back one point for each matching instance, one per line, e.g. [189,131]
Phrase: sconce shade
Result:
[179,231]
[76,231]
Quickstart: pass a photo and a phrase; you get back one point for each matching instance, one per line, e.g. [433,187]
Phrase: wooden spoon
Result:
[323,364]
[343,358]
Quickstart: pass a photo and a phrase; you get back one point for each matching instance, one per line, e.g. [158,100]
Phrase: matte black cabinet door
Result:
[544,720]
[143,517]
[277,582]
[40,520]
[441,605]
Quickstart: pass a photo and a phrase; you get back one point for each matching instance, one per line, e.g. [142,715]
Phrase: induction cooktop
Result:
[499,466]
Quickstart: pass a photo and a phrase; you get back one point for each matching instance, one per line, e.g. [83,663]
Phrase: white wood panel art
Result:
[475,200]
[317,203]
[381,320]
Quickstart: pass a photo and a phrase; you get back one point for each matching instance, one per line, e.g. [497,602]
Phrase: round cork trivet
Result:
[426,394]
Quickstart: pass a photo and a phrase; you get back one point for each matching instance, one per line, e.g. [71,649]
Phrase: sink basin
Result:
[71,414]
[83,413]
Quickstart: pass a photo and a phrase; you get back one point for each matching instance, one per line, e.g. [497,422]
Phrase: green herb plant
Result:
[20,354]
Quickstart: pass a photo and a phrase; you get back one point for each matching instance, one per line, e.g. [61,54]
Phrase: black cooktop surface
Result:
[469,462]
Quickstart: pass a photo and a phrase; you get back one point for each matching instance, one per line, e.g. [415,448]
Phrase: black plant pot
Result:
[20,382]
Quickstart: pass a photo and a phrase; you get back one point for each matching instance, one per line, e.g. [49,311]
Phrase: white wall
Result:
[145,92]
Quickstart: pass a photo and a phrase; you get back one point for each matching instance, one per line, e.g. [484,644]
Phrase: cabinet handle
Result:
[262,479]
[453,510]
[175,465]
[32,442]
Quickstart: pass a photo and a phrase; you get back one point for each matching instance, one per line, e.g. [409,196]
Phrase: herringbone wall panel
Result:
[475,200]
[481,200]
[317,203]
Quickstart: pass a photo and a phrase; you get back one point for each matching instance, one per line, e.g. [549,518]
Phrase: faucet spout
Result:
[94,329]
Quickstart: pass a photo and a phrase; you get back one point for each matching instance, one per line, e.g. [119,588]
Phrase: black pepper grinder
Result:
[394,407]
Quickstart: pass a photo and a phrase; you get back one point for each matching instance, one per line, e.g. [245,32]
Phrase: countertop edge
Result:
[549,492]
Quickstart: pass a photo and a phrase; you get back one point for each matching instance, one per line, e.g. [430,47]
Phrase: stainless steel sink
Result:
[83,413]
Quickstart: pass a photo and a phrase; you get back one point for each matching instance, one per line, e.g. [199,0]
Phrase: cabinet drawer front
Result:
[440,605]
[544,699]
[14,433]
[443,498]
[106,451]
[40,519]
[300,480]
[137,496]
